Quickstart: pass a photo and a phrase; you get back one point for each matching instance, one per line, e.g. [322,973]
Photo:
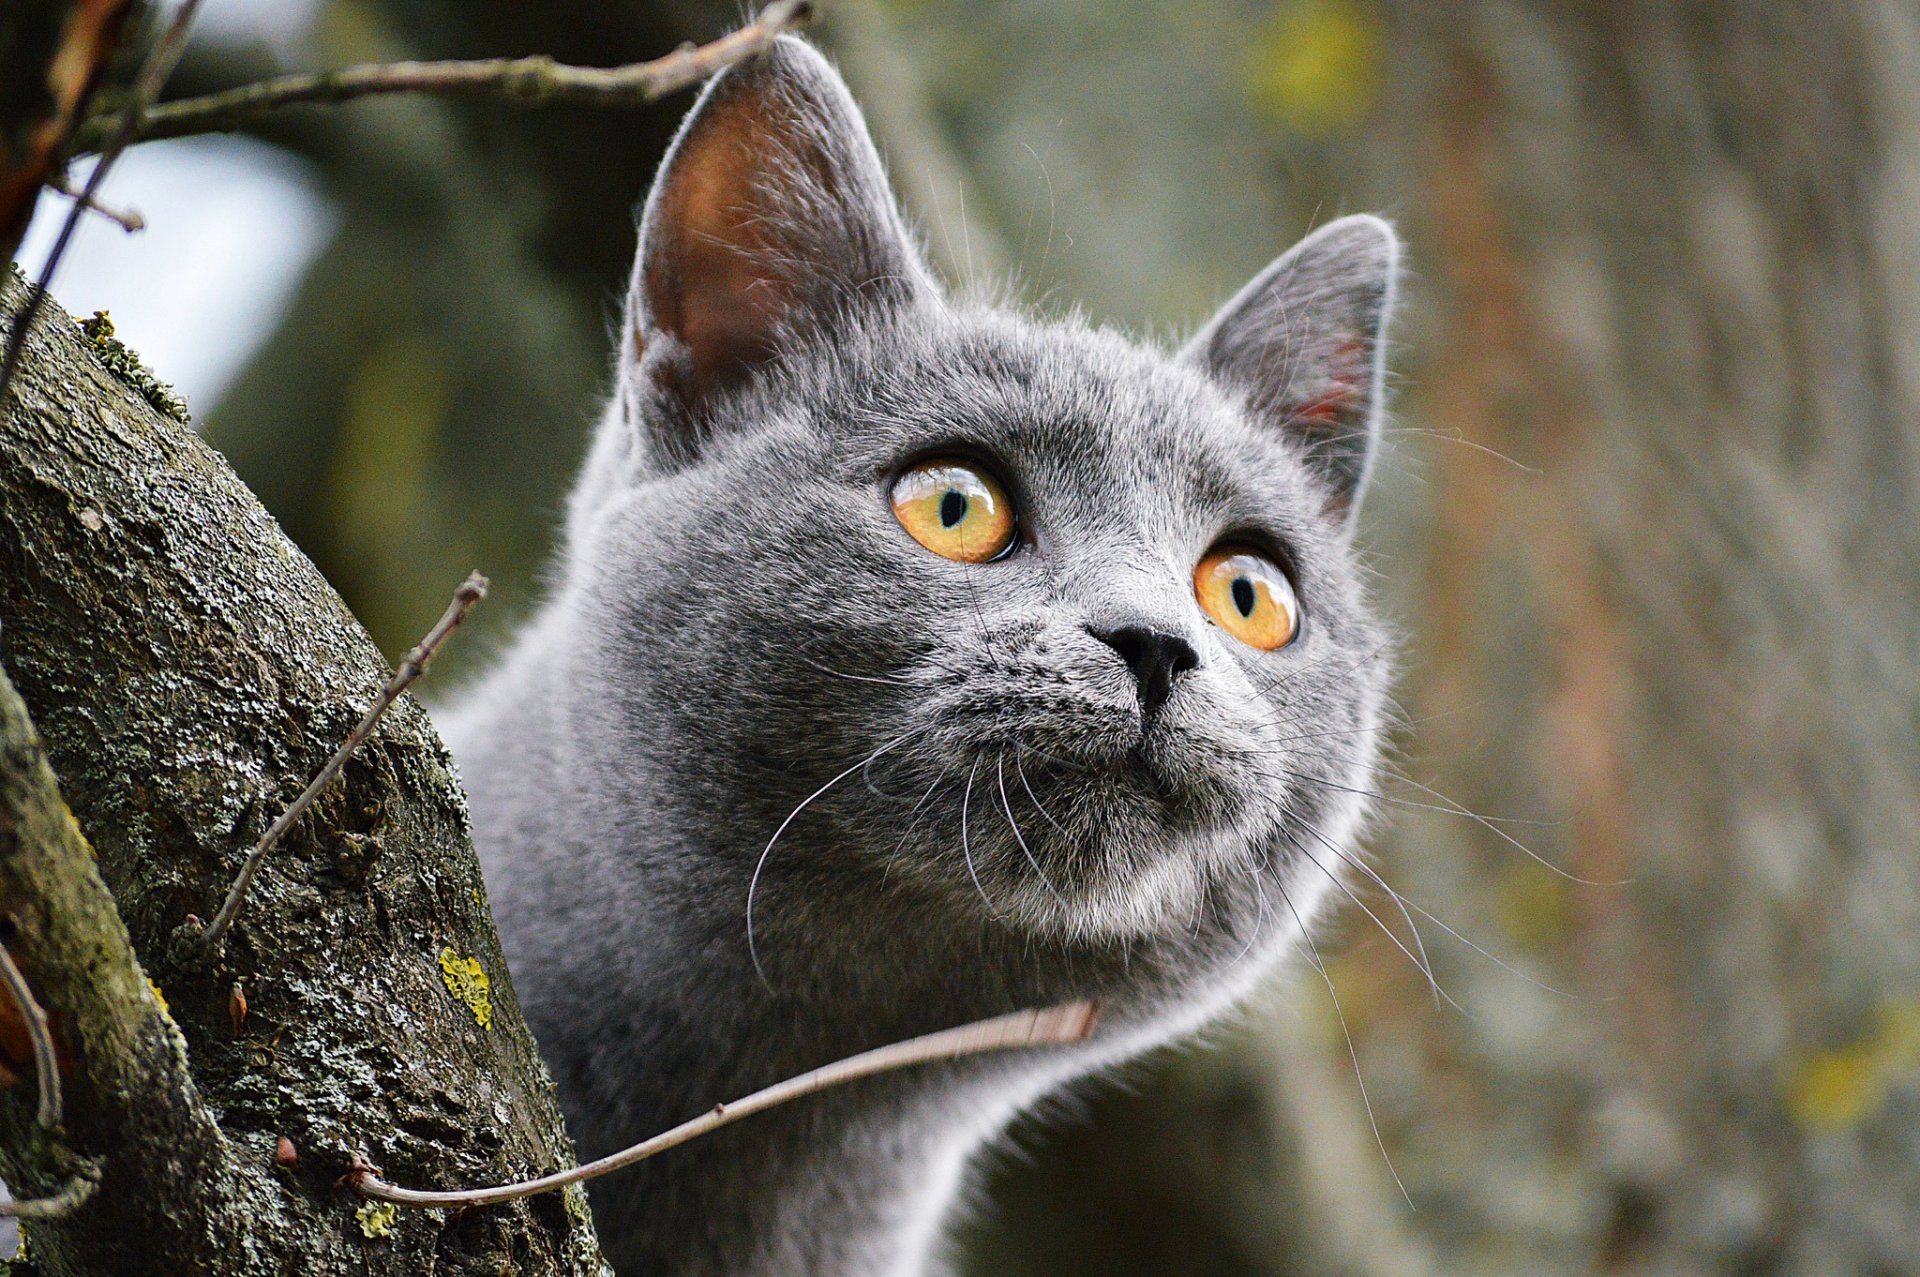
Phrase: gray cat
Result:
[911,662]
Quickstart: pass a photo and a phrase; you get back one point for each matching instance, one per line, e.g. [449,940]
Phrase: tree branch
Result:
[127,219]
[1054,1026]
[411,667]
[180,654]
[133,1103]
[58,1206]
[529,81]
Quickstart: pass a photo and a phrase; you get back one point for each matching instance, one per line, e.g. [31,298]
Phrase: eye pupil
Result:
[1248,595]
[955,510]
[1243,596]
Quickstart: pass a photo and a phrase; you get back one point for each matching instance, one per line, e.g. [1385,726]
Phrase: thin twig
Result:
[411,667]
[77,1191]
[46,1066]
[127,219]
[529,81]
[1054,1026]
[120,130]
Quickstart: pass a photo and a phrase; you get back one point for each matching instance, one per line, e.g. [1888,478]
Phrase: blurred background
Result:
[1647,526]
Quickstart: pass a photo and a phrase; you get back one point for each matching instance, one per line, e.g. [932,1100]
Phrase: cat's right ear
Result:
[769,222]
[1306,343]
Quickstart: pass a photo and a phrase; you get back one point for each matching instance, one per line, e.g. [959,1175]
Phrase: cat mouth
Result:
[1141,761]
[1137,767]
[1184,791]
[1090,766]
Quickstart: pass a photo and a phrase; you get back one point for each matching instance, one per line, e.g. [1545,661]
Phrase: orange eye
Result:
[1248,594]
[955,510]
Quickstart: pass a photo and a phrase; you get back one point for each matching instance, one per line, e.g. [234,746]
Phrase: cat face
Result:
[1030,625]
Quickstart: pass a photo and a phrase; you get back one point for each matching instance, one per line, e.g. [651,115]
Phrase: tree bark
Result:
[188,670]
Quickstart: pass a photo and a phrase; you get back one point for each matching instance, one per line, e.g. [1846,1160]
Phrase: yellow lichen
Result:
[159,997]
[467,980]
[376,1219]
[574,1197]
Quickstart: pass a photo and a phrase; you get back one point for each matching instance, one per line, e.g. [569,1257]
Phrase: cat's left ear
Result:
[770,222]
[1306,343]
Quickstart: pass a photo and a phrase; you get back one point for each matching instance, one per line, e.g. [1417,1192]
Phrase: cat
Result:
[911,661]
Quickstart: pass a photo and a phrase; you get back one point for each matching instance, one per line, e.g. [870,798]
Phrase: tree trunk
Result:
[189,670]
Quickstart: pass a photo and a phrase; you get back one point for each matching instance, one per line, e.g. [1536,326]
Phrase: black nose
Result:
[1156,659]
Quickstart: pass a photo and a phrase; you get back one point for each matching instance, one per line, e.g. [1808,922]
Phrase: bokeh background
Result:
[1647,526]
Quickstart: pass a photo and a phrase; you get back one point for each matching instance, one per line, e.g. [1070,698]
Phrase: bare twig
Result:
[411,667]
[77,1191]
[530,81]
[46,1066]
[127,219]
[121,130]
[1054,1026]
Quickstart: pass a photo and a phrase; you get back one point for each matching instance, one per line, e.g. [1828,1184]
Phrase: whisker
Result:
[1452,808]
[1333,733]
[1058,762]
[1256,874]
[858,678]
[1367,657]
[1000,778]
[914,817]
[1047,251]
[1459,437]
[1353,1053]
[1419,963]
[1406,902]
[1388,723]
[966,849]
[1038,806]
[1495,960]
[753,883]
[1400,903]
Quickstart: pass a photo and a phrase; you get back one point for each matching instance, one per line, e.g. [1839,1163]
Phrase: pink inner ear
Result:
[730,309]
[1336,383]
[1328,410]
[713,284]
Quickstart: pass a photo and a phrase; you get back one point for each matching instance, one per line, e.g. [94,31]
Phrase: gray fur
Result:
[739,624]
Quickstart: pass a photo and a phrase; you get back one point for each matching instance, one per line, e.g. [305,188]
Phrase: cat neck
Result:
[855,1181]
[649,1009]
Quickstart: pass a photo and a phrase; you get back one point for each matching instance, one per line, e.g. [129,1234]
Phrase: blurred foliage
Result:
[1316,67]
[1843,1086]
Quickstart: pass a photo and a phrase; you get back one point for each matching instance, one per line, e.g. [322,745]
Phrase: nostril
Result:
[1130,643]
[1155,657]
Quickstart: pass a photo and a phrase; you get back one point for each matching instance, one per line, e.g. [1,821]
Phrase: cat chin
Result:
[1154,897]
[1150,902]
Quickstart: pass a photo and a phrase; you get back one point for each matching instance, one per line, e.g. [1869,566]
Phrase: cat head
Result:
[1020,624]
